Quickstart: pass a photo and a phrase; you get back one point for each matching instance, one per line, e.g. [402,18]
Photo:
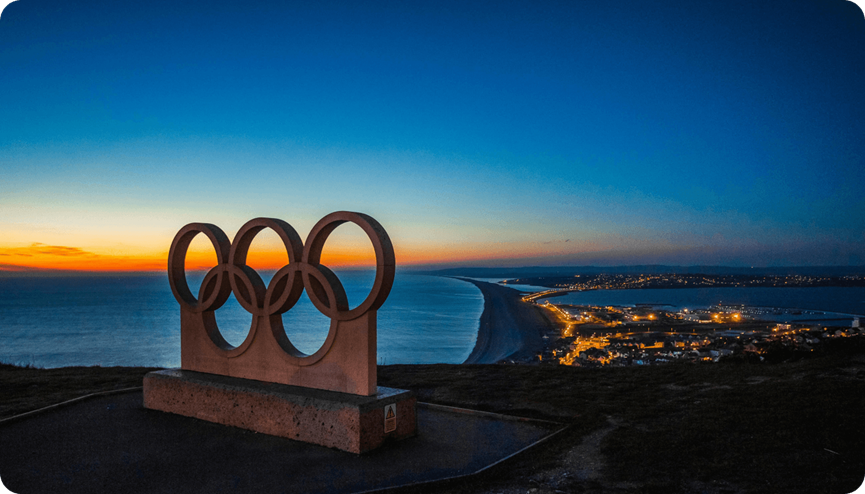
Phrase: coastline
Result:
[508,329]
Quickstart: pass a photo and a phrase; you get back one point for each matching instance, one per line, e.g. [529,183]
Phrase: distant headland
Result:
[559,271]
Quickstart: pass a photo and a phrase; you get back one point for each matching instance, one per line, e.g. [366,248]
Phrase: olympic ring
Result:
[304,271]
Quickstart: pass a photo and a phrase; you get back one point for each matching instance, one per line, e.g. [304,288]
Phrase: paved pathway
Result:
[113,444]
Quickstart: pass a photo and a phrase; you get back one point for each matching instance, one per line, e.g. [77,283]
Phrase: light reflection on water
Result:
[833,300]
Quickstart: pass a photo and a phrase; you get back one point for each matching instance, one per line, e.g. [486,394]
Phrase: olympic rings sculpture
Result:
[304,271]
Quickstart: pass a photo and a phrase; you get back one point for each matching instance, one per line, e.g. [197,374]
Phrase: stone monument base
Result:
[337,420]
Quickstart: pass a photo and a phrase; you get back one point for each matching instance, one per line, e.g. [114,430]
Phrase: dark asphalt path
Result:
[113,444]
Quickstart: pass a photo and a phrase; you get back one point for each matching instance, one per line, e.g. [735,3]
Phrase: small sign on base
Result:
[390,418]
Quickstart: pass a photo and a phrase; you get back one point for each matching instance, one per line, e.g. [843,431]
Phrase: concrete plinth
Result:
[337,420]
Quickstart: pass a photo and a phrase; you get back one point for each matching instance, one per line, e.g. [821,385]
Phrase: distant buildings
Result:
[620,336]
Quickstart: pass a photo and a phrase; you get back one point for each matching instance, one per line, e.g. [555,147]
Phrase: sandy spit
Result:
[509,329]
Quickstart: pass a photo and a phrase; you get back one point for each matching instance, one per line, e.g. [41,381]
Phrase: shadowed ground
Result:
[734,427]
[112,444]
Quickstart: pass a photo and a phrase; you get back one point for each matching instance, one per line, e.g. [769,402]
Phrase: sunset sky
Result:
[478,133]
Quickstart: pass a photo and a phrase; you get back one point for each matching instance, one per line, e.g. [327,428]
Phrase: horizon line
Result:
[26,271]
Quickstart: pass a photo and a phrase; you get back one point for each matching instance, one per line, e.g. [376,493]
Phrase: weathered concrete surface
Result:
[113,444]
[347,362]
[337,420]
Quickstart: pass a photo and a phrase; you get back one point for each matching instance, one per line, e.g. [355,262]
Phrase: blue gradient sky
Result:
[631,132]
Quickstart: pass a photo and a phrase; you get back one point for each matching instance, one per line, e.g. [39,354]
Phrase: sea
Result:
[838,306]
[135,320]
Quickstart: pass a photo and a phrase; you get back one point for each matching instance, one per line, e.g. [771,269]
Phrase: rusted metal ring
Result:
[251,293]
[215,289]
[385,263]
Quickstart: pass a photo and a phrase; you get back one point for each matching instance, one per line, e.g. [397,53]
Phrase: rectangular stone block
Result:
[337,420]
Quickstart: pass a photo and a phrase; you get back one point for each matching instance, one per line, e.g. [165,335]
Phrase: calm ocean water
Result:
[135,320]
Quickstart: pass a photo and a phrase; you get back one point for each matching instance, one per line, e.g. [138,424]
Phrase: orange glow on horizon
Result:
[342,253]
[205,260]
[271,260]
[95,264]
[56,258]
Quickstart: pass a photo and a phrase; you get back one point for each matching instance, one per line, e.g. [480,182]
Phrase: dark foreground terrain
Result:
[730,427]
